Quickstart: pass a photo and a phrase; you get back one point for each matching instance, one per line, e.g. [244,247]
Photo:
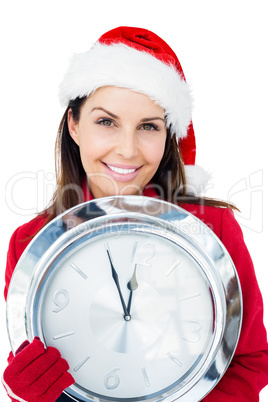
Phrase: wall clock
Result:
[139,296]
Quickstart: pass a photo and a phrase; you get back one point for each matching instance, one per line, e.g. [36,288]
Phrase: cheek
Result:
[92,149]
[155,152]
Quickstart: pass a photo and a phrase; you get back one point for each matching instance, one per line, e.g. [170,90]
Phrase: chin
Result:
[131,190]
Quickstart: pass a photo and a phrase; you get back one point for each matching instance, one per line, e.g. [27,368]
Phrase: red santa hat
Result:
[139,60]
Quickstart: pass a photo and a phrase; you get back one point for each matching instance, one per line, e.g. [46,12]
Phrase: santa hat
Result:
[139,60]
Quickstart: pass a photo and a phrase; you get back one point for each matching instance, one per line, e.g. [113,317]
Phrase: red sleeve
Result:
[18,242]
[248,371]
[12,260]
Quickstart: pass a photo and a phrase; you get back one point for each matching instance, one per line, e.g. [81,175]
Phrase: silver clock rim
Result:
[74,224]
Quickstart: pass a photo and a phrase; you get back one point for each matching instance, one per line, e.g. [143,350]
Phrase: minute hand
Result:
[116,280]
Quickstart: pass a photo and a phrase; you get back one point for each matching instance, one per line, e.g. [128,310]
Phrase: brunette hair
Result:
[169,180]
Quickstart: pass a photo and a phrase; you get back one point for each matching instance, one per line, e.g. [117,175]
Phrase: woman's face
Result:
[121,135]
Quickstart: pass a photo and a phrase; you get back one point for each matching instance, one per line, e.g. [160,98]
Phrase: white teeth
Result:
[119,170]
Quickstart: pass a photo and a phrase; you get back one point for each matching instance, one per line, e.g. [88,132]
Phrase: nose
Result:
[127,145]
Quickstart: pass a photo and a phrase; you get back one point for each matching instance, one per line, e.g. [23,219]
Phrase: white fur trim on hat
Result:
[196,179]
[123,66]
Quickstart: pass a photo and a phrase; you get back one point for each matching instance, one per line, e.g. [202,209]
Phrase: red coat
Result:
[248,371]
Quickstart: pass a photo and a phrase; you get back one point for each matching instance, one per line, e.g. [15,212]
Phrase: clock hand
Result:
[132,285]
[127,316]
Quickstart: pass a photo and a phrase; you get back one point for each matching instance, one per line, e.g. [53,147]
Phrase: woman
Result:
[127,130]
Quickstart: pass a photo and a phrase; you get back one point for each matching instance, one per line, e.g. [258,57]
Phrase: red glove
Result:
[36,374]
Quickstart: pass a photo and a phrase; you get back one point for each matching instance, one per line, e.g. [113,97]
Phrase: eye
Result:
[105,122]
[149,127]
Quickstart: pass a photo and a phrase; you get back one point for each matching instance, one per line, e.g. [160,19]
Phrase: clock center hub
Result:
[134,332]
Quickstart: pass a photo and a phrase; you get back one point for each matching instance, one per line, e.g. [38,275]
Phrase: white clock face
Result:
[138,296]
[163,337]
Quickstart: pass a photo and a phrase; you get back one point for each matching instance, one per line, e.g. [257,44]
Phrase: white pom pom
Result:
[196,179]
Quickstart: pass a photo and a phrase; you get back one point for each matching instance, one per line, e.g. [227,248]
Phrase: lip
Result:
[119,176]
[120,166]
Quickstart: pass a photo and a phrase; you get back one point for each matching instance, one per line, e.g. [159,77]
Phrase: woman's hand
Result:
[36,373]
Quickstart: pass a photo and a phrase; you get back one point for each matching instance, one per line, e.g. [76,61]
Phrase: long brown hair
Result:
[169,180]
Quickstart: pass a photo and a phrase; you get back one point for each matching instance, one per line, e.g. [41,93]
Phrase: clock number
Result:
[61,299]
[151,249]
[195,332]
[145,260]
[111,380]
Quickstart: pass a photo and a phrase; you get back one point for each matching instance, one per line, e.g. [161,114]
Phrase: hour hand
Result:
[132,285]
[116,280]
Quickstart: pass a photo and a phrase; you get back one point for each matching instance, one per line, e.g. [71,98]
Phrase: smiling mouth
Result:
[121,170]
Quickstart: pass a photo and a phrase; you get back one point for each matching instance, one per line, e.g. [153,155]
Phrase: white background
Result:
[222,46]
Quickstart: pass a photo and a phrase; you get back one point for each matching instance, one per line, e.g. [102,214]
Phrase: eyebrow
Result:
[153,118]
[114,116]
[106,111]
